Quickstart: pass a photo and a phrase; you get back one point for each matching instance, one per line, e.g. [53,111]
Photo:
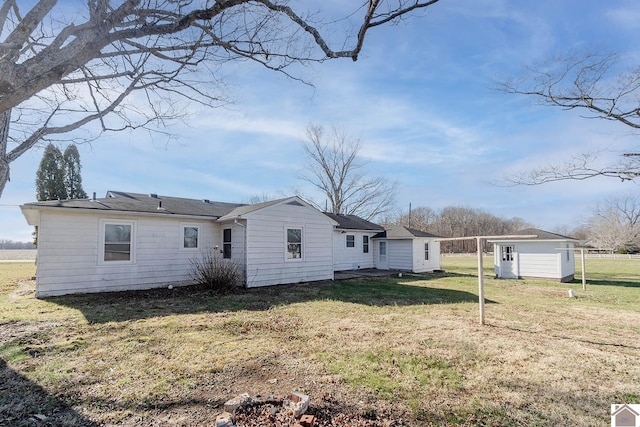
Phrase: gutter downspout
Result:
[244,252]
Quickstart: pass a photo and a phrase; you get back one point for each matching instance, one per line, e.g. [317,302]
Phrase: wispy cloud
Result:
[420,99]
[627,16]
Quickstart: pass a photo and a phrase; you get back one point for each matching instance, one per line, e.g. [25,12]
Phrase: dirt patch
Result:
[325,413]
[365,272]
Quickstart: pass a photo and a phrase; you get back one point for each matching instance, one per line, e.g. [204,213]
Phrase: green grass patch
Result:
[391,374]
[410,343]
[13,352]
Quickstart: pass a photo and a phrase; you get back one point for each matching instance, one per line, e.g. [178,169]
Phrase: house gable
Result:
[287,240]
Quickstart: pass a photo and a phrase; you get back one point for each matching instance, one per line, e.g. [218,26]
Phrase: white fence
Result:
[587,255]
[614,256]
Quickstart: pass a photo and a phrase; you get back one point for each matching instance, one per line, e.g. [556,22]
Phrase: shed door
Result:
[507,262]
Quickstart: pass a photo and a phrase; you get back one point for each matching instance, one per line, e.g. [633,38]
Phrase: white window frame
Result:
[230,243]
[353,240]
[198,227]
[365,244]
[426,251]
[507,252]
[101,241]
[286,243]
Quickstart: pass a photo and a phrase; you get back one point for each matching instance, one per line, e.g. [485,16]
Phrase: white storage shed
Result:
[547,256]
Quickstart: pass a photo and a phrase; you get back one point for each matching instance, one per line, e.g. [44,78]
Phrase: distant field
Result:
[408,349]
[17,254]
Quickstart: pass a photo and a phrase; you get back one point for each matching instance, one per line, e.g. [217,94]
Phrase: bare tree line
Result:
[458,221]
[613,226]
[10,244]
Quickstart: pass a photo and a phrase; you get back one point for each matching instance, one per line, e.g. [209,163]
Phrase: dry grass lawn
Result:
[408,349]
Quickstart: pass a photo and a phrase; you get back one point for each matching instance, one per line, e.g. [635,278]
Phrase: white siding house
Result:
[548,256]
[353,247]
[406,249]
[131,241]
[73,256]
[286,242]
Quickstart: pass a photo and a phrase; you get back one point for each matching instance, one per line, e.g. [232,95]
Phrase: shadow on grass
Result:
[372,291]
[25,403]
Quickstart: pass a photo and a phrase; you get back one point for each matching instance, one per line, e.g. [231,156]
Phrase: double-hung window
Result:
[226,243]
[365,244]
[117,242]
[294,243]
[351,241]
[426,251]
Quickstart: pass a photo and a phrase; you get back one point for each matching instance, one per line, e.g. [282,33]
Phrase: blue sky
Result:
[421,100]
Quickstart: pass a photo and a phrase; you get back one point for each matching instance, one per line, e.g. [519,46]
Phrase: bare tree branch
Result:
[59,73]
[579,167]
[589,82]
[335,169]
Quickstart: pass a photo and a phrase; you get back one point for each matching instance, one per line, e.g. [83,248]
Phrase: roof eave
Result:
[533,240]
[39,208]
[31,214]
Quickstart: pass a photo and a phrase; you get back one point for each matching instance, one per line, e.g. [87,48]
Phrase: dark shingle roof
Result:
[402,232]
[544,235]
[145,203]
[353,222]
[245,209]
[541,235]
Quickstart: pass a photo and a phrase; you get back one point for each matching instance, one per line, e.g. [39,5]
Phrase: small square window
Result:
[117,242]
[351,241]
[190,237]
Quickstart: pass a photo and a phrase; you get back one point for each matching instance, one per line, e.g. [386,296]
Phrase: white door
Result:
[508,262]
[382,263]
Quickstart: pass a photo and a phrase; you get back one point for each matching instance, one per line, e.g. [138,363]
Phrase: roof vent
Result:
[206,201]
[160,208]
[153,196]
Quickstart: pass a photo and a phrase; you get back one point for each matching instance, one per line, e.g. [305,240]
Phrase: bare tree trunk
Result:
[5,122]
